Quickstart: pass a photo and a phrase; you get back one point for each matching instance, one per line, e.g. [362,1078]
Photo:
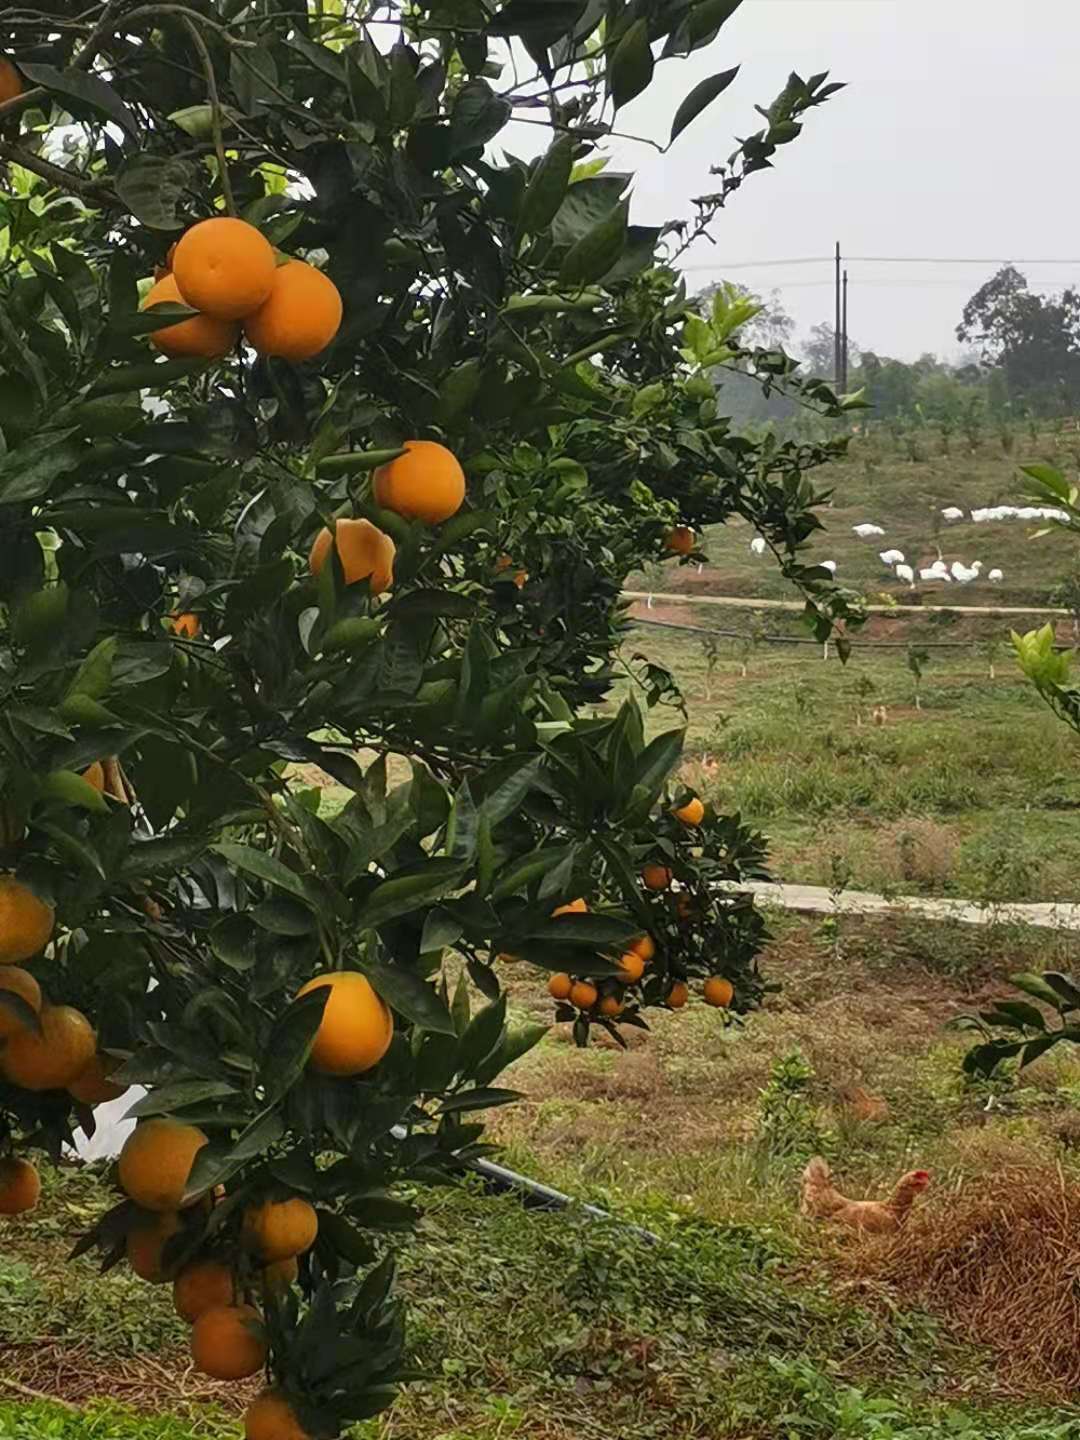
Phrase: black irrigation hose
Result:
[535,1196]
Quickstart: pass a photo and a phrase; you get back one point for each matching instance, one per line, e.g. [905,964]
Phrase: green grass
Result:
[556,1327]
[973,795]
[880,483]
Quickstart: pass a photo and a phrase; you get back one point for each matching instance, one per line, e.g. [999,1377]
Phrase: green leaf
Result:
[168,1099]
[216,1162]
[94,676]
[482,1034]
[597,251]
[483,1099]
[71,789]
[282,916]
[262,866]
[291,1039]
[441,928]
[405,892]
[1037,987]
[152,186]
[545,192]
[477,117]
[631,67]
[27,474]
[537,21]
[410,995]
[87,91]
[404,94]
[698,99]
[157,317]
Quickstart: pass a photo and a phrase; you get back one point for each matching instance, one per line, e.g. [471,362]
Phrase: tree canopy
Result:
[189,649]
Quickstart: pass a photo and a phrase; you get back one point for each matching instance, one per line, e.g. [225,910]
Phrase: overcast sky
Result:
[953,138]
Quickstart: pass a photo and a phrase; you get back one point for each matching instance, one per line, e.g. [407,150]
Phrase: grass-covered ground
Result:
[976,794]
[738,1323]
[901,482]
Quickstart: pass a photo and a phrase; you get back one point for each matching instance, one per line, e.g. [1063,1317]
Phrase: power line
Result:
[882,260]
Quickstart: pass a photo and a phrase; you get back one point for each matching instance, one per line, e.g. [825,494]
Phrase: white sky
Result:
[953,138]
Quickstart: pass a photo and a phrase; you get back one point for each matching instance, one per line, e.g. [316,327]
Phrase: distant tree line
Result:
[1024,359]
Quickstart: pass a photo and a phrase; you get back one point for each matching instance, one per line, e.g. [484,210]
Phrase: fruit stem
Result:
[215,114]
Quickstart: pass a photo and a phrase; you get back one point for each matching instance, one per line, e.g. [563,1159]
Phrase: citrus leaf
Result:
[597,250]
[71,789]
[88,91]
[152,188]
[631,67]
[410,995]
[544,195]
[262,866]
[698,99]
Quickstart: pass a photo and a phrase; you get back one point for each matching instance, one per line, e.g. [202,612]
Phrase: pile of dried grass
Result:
[999,1260]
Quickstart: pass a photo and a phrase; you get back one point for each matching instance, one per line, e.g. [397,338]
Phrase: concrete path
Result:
[741,602]
[817,900]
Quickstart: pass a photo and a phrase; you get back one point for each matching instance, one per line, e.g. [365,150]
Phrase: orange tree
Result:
[345,481]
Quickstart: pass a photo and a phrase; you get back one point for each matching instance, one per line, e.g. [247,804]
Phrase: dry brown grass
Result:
[999,1260]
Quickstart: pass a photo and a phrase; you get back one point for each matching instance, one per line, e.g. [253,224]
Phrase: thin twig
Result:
[215,110]
[38,1394]
[60,177]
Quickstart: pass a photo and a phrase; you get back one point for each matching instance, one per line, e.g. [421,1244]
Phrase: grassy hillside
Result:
[901,482]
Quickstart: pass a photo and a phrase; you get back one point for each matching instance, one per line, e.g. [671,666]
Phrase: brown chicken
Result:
[874,1217]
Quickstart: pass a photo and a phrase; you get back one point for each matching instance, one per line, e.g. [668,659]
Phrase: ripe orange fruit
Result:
[145,1245]
[583,994]
[94,775]
[279,1229]
[645,946]
[271,1417]
[679,541]
[52,1059]
[203,1285]
[92,1085]
[559,986]
[199,336]
[356,1027]
[21,983]
[229,1342]
[718,991]
[631,968]
[611,1006]
[156,1162]
[20,1186]
[366,553]
[678,995]
[277,1278]
[299,317]
[692,813]
[187,625]
[426,483]
[521,578]
[576,907]
[26,923]
[656,877]
[10,80]
[224,267]
[503,563]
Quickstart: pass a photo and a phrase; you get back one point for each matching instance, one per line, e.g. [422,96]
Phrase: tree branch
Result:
[215,111]
[57,175]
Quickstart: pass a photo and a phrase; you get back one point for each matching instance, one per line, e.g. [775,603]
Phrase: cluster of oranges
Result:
[587,996]
[57,1049]
[606,999]
[426,483]
[218,1292]
[228,271]
[218,1299]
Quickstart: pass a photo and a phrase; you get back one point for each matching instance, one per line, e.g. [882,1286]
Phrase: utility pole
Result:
[844,341]
[837,355]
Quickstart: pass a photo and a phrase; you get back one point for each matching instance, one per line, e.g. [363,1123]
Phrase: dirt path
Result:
[817,900]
